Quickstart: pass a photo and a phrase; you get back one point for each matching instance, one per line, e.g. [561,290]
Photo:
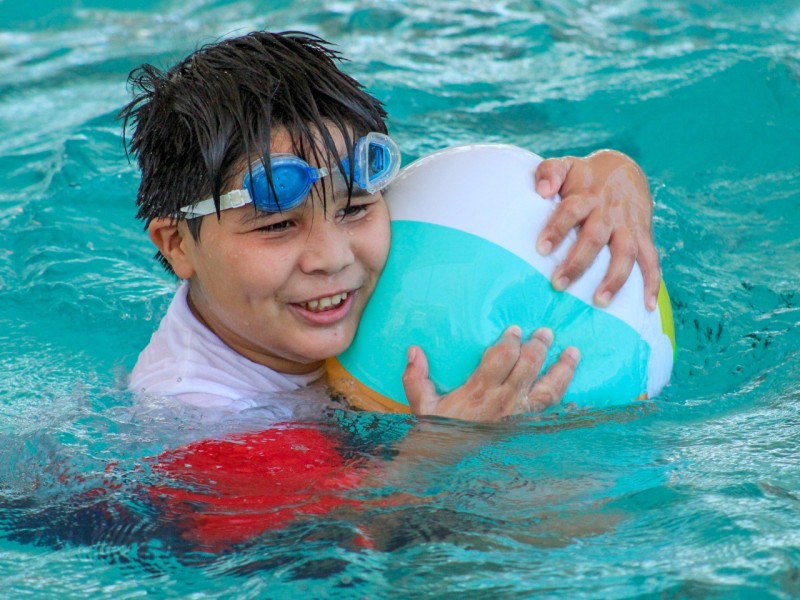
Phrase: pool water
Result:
[696,494]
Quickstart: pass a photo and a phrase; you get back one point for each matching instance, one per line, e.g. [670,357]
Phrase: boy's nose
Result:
[328,247]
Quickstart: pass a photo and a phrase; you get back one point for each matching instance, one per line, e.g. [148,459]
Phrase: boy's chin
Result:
[331,349]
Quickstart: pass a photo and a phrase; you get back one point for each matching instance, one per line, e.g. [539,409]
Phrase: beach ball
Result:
[463,266]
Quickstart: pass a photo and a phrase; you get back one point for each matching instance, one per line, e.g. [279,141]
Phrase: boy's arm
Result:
[507,381]
[607,196]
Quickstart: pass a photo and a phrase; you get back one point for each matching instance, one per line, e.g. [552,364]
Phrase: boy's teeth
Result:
[327,302]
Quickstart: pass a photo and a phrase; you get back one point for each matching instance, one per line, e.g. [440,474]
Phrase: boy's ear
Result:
[171,239]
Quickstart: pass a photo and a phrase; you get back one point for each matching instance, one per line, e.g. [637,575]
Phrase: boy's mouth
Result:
[326,303]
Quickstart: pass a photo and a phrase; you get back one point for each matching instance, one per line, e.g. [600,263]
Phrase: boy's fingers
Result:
[550,175]
[420,391]
[568,213]
[651,273]
[551,387]
[497,363]
[593,236]
[532,356]
[623,250]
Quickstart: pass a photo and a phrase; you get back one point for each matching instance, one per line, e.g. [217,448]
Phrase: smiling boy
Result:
[262,168]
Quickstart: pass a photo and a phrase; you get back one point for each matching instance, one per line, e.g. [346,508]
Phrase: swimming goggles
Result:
[376,159]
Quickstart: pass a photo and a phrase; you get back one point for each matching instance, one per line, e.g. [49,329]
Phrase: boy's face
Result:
[287,290]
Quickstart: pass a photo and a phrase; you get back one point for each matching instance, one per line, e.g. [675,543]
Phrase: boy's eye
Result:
[276,227]
[352,212]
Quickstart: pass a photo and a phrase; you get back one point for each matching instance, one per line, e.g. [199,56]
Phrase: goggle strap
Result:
[233,199]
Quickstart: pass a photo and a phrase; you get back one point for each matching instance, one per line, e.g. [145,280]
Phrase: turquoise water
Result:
[694,495]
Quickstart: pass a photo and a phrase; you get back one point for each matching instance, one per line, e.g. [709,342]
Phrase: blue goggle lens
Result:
[376,158]
[377,161]
[292,179]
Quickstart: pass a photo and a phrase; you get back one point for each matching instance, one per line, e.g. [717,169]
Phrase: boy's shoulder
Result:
[187,361]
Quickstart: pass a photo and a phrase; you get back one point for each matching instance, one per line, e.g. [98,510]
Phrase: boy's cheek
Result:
[386,238]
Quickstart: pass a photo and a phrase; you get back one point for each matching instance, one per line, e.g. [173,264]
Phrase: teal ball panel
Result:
[453,293]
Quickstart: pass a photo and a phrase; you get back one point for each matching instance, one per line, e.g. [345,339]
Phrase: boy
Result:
[262,168]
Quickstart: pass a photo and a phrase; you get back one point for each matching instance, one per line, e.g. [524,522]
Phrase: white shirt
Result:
[187,362]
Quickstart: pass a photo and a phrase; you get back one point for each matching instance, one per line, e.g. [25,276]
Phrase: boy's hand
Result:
[606,194]
[506,381]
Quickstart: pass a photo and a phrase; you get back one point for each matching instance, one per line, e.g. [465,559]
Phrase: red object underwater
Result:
[227,491]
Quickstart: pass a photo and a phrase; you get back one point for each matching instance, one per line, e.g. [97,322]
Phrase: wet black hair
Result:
[201,122]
